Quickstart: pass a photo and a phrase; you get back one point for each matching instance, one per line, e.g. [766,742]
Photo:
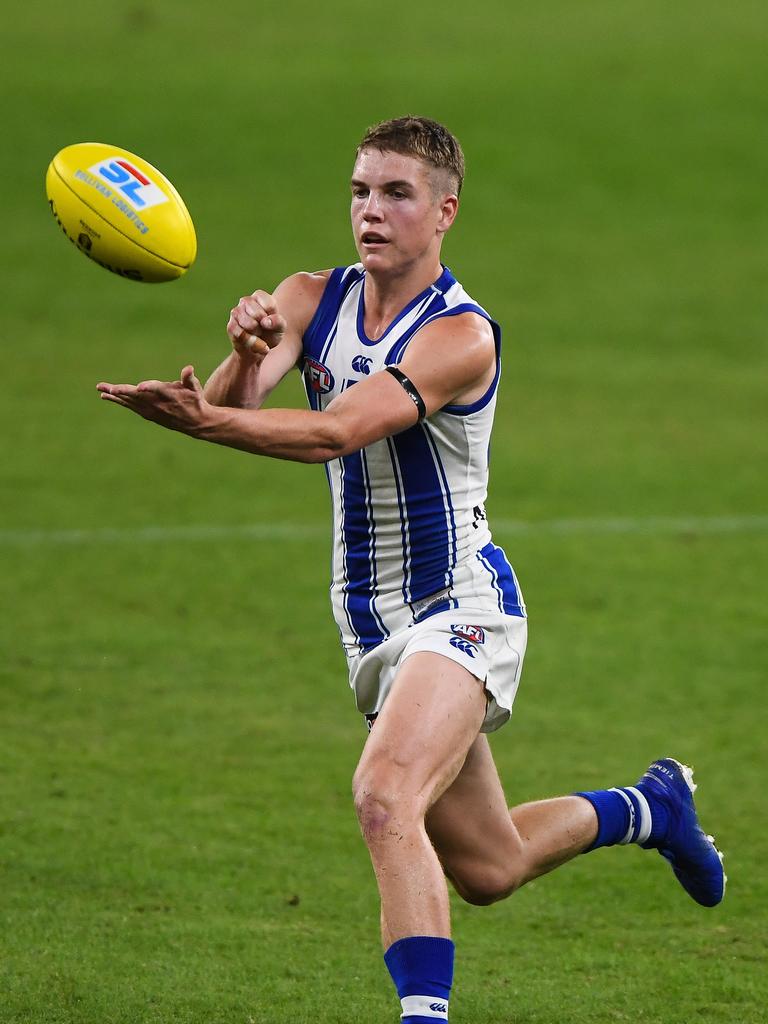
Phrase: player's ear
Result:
[449,207]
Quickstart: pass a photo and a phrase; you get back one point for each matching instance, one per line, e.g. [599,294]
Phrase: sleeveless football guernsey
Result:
[410,536]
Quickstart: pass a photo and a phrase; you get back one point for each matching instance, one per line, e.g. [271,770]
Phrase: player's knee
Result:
[373,814]
[381,805]
[485,885]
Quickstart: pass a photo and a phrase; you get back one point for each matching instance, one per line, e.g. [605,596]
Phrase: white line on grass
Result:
[650,525]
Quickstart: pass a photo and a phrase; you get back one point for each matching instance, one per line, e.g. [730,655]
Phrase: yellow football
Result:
[121,212]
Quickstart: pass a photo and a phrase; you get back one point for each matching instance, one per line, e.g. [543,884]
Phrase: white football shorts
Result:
[488,644]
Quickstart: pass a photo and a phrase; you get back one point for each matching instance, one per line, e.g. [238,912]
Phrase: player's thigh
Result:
[470,824]
[429,721]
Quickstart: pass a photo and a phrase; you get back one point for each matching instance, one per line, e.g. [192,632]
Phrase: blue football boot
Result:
[696,861]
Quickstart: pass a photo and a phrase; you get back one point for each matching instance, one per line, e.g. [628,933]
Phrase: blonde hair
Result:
[422,138]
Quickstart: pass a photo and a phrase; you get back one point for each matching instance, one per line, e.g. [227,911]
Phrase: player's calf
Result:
[484,884]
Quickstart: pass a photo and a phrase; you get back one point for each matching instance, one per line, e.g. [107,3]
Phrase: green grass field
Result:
[177,838]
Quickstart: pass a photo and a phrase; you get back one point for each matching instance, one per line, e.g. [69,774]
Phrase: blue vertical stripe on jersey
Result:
[503,578]
[356,533]
[372,547]
[312,396]
[428,519]
[448,505]
[342,512]
[403,523]
[321,332]
[334,527]
[326,314]
[331,338]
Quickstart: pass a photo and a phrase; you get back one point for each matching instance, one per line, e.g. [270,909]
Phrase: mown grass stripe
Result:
[651,525]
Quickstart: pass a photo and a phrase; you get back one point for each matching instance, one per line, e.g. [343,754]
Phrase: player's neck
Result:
[387,294]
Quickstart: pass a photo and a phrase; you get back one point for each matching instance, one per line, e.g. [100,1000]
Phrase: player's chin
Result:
[375,258]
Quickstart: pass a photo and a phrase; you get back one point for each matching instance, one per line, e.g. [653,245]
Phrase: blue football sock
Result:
[625,816]
[422,970]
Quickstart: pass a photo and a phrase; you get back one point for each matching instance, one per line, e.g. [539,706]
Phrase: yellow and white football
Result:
[121,212]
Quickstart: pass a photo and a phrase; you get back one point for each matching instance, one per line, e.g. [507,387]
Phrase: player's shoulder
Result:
[468,333]
[462,322]
[301,294]
[306,283]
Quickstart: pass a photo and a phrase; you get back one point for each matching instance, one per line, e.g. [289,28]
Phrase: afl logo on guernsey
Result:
[319,378]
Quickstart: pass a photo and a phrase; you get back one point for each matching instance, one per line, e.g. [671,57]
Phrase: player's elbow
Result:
[335,439]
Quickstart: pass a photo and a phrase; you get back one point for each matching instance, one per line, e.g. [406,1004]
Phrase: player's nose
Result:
[372,207]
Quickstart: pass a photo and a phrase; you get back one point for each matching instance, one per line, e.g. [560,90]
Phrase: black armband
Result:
[409,388]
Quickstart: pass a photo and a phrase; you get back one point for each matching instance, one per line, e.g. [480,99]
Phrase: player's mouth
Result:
[372,239]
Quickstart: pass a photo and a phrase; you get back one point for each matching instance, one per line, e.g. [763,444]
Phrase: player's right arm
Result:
[266,332]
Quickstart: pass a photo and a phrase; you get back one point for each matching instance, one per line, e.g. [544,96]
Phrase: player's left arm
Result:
[448,362]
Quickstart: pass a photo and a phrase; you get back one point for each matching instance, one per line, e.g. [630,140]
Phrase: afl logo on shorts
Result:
[473,633]
[319,378]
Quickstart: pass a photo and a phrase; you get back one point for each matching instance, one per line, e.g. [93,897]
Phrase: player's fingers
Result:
[243,339]
[274,323]
[250,310]
[234,329]
[254,344]
[242,333]
[115,400]
[266,301]
[189,380]
[245,320]
[117,389]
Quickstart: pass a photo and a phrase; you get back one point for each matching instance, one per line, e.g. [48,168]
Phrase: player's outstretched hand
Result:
[255,326]
[177,405]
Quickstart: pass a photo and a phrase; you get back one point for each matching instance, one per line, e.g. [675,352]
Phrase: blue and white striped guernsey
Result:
[410,537]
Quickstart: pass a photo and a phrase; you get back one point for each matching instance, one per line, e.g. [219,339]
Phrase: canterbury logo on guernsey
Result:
[424,1006]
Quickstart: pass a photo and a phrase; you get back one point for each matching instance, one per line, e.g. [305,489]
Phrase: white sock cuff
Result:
[644,829]
[631,808]
[425,1006]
